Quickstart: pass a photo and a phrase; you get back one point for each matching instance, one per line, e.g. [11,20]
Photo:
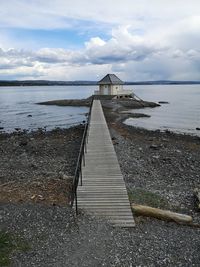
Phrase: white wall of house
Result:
[105,89]
[110,89]
[116,88]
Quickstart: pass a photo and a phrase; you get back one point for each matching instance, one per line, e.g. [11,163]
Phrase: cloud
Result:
[136,40]
[50,14]
[120,12]
[133,56]
[121,47]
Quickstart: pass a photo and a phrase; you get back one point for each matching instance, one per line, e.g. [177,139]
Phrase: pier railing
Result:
[77,180]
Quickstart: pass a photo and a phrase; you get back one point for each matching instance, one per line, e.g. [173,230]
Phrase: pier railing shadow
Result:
[78,177]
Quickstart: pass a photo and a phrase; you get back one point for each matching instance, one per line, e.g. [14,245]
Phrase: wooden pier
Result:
[103,191]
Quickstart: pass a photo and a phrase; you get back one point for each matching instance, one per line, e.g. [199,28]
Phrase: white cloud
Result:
[95,42]
[132,56]
[148,39]
[48,14]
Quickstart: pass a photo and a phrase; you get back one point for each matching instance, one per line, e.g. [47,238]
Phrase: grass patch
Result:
[143,197]
[8,244]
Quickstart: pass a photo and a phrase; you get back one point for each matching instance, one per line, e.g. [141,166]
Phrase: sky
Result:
[138,40]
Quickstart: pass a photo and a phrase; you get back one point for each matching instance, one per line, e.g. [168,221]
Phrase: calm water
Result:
[16,103]
[181,115]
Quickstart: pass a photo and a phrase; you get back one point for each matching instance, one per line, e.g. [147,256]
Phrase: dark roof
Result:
[110,79]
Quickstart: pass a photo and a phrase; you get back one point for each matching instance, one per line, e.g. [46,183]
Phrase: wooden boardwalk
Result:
[103,192]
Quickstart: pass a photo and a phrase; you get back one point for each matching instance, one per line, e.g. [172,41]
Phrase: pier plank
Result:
[103,191]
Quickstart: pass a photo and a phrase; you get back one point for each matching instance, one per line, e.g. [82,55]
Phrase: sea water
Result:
[18,108]
[181,115]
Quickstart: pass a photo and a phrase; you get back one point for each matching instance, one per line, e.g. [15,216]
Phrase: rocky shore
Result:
[121,104]
[163,163]
[160,170]
[38,166]
[68,102]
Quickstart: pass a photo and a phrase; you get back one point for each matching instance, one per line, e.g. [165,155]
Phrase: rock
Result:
[150,139]
[65,177]
[197,197]
[155,147]
[156,157]
[163,102]
[114,141]
[23,143]
[33,165]
[40,197]
[167,159]
[137,115]
[17,129]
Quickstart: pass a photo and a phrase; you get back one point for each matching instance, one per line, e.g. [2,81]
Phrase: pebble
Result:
[155,147]
[23,143]
[155,156]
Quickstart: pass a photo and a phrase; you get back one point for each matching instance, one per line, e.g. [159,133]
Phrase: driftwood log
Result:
[161,214]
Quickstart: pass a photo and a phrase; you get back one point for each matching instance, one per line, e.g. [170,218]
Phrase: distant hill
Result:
[163,82]
[86,83]
[45,83]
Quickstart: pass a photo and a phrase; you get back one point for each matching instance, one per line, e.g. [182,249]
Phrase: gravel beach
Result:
[160,170]
[38,163]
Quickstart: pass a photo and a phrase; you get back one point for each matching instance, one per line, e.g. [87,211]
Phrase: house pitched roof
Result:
[110,79]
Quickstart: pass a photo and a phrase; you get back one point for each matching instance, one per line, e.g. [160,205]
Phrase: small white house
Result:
[111,85]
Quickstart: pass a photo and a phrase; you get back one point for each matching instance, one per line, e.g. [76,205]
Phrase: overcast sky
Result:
[85,39]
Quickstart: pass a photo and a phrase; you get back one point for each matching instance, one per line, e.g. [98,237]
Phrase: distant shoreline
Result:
[88,83]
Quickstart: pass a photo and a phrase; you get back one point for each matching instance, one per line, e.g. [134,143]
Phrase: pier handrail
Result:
[80,161]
